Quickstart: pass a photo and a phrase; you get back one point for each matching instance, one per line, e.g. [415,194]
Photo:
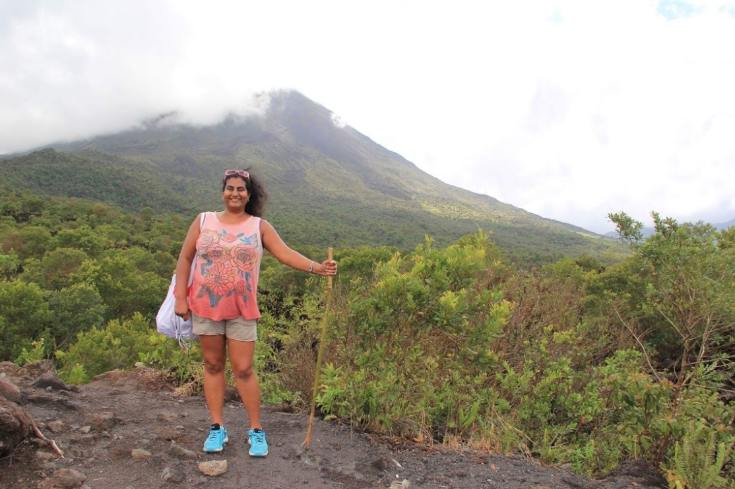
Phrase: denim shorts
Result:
[239,329]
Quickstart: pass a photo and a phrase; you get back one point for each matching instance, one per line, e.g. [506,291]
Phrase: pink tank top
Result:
[227,268]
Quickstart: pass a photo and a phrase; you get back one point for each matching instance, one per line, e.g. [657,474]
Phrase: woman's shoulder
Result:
[203,216]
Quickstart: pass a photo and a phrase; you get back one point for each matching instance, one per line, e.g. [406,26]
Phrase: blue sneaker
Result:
[258,445]
[216,440]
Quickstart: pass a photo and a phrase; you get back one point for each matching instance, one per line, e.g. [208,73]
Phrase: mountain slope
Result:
[725,225]
[330,186]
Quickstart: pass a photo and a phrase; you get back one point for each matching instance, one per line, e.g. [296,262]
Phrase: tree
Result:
[9,266]
[26,242]
[82,238]
[689,271]
[75,309]
[123,286]
[56,269]
[23,316]
[146,215]
[628,228]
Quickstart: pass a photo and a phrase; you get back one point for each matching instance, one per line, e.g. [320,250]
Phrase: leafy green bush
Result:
[116,346]
[415,343]
[36,353]
[267,366]
[184,365]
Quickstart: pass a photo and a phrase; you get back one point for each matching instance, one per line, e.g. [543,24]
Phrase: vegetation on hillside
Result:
[302,212]
[571,362]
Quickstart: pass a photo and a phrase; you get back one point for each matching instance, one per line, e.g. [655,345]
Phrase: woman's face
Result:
[235,194]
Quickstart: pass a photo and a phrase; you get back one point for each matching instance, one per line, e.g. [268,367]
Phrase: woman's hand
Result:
[181,308]
[327,267]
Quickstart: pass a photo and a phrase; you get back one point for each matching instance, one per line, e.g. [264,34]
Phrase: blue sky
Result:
[677,9]
[568,109]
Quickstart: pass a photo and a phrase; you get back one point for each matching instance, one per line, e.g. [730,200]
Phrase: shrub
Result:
[100,350]
[414,344]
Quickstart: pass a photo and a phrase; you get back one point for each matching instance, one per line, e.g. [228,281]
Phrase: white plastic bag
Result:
[168,323]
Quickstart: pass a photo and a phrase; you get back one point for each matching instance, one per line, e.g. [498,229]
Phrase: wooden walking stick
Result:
[322,340]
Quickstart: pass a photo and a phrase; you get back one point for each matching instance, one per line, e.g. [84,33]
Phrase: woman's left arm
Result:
[275,245]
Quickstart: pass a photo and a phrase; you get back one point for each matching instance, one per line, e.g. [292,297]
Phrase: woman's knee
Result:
[214,366]
[243,371]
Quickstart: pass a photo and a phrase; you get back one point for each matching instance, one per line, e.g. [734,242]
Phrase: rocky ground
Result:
[132,430]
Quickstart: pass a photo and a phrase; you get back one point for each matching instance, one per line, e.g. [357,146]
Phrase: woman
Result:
[222,299]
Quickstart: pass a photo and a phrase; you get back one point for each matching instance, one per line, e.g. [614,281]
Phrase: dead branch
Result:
[47,440]
[640,343]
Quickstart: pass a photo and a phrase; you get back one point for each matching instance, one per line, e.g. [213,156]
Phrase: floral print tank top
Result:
[227,265]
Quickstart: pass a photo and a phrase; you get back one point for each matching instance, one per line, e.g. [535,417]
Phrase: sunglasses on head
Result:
[239,173]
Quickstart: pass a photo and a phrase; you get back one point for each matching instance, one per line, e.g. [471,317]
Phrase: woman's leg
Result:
[213,351]
[241,361]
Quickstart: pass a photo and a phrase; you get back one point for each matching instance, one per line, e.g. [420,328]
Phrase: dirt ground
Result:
[131,430]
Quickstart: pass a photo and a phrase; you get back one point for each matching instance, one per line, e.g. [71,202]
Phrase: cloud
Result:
[80,70]
[337,120]
[618,122]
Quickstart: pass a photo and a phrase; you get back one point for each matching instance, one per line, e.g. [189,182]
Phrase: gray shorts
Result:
[239,329]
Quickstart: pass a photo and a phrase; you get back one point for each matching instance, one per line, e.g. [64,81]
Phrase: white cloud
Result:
[569,109]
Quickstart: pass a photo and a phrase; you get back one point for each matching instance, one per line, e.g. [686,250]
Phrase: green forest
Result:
[569,361]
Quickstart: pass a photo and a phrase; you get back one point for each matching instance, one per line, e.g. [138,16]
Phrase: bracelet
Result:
[311,267]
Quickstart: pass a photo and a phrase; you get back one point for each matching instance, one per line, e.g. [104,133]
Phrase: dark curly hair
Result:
[257,193]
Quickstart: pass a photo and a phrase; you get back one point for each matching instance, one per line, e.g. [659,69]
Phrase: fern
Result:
[698,460]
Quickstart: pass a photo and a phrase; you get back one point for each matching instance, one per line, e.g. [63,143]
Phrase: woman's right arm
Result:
[183,268]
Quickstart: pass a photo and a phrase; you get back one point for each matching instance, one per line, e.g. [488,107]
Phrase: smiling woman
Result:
[226,252]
